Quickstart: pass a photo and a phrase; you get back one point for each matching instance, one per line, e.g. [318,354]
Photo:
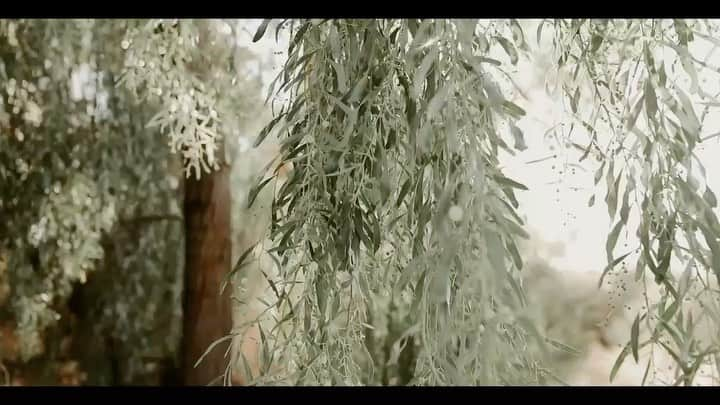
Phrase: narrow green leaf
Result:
[688,120]
[625,207]
[685,280]
[513,227]
[483,43]
[645,374]
[511,196]
[513,109]
[634,337]
[509,49]
[563,347]
[630,121]
[278,28]
[391,139]
[712,242]
[403,191]
[684,33]
[255,190]
[495,251]
[639,267]
[611,197]
[392,223]
[321,293]
[538,34]
[612,240]
[599,173]
[516,288]
[265,131]
[246,368]
[376,235]
[512,183]
[574,100]
[595,43]
[238,265]
[514,254]
[482,59]
[611,266]
[518,35]
[671,310]
[419,293]
[619,362]
[211,347]
[340,76]
[307,318]
[519,138]
[298,36]
[709,197]
[359,93]
[662,76]
[650,99]
[422,70]
[264,355]
[261,30]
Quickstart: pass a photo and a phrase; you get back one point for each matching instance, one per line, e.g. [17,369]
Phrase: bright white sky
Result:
[581,229]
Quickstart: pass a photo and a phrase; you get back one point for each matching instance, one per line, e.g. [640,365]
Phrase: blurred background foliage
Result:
[91,236]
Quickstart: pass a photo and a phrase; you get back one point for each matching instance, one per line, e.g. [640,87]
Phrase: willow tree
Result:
[404,227]
[645,81]
[396,234]
[401,222]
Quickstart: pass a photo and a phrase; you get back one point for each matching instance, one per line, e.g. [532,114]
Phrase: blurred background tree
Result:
[92,232]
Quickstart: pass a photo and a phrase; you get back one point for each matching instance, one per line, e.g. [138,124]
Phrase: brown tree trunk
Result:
[207,313]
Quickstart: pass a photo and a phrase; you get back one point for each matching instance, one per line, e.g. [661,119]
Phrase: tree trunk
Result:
[207,313]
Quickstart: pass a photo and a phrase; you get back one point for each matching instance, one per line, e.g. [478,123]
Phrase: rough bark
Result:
[207,313]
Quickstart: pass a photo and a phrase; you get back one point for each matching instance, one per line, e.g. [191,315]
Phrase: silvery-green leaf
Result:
[519,138]
[509,49]
[261,30]
[634,337]
[422,70]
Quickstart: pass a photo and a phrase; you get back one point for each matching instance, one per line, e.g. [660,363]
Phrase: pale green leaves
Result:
[495,251]
[509,182]
[518,137]
[710,198]
[611,197]
[509,49]
[261,30]
[619,361]
[341,80]
[422,70]
[438,100]
[595,42]
[591,201]
[688,119]
[635,337]
[651,106]
[447,94]
[513,109]
[518,35]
